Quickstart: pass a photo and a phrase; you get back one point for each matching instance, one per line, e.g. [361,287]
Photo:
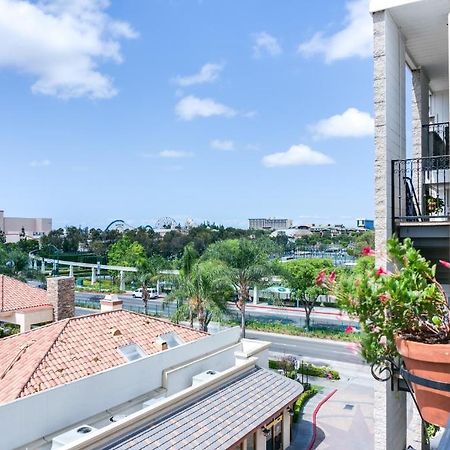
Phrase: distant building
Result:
[294,232]
[365,224]
[269,224]
[16,228]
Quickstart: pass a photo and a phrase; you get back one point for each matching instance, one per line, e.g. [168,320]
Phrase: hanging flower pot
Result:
[430,363]
[403,311]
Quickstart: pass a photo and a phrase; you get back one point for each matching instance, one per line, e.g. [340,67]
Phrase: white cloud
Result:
[297,155]
[220,144]
[208,74]
[265,44]
[175,154]
[351,123]
[40,163]
[61,43]
[190,107]
[355,39]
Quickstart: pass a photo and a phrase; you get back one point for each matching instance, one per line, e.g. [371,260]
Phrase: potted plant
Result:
[403,312]
[435,205]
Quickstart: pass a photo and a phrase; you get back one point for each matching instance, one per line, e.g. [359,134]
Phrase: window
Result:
[171,339]
[132,352]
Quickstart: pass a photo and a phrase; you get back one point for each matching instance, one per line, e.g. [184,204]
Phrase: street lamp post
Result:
[98,275]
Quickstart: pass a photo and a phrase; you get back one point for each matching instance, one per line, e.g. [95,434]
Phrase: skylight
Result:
[132,352]
[172,339]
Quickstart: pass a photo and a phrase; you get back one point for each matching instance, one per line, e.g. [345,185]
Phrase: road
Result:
[321,316]
[317,349]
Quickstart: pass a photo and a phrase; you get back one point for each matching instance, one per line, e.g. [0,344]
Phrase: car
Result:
[151,293]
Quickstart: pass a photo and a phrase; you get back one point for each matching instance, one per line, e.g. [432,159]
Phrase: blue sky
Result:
[216,110]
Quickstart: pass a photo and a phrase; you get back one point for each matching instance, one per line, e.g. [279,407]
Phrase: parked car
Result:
[151,293]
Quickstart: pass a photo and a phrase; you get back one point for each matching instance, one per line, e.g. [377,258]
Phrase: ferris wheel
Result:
[165,222]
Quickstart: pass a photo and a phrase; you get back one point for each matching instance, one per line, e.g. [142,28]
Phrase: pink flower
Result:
[380,271]
[368,251]
[383,298]
[445,263]
[321,277]
[349,329]
[332,277]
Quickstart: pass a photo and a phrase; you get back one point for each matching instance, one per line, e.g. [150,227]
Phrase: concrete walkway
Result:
[345,421]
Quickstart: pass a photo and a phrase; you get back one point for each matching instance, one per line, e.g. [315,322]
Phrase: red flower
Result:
[332,277]
[321,277]
[367,251]
[349,329]
[380,271]
[445,263]
[383,298]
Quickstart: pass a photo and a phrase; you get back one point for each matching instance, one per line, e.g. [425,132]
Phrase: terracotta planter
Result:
[430,361]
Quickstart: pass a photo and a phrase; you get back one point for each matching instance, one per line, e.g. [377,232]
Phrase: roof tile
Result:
[16,295]
[70,349]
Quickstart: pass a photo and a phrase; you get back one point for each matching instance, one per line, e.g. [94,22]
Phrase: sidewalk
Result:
[344,421]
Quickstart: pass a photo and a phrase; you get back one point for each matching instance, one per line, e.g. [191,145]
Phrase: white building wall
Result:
[439,106]
[73,402]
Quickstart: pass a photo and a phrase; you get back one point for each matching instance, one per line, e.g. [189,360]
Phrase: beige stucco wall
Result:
[12,226]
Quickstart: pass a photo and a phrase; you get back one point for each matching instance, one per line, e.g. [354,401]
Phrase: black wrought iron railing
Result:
[420,189]
[436,139]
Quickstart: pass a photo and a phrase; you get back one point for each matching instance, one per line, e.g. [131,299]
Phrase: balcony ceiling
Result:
[424,26]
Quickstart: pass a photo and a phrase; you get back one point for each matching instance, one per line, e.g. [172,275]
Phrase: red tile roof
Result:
[73,348]
[16,295]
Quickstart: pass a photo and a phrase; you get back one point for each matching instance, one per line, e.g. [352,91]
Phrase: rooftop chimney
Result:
[111,303]
[161,344]
[61,295]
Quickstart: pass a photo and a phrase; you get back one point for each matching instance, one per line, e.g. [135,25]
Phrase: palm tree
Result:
[202,290]
[247,263]
[199,290]
[146,275]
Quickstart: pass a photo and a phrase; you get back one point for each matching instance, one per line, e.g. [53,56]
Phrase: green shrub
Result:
[306,369]
[316,371]
[302,400]
[274,364]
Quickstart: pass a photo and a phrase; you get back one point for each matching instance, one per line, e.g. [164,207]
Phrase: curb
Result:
[314,418]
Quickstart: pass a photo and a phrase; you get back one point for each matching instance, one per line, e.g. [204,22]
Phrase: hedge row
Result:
[307,369]
[301,402]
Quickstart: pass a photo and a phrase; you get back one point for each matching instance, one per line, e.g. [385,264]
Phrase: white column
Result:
[158,288]
[71,270]
[93,275]
[286,429]
[42,265]
[390,144]
[448,18]
[255,295]
[260,439]
[420,111]
[122,281]
[35,264]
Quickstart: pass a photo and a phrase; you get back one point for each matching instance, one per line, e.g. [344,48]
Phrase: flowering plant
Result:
[405,300]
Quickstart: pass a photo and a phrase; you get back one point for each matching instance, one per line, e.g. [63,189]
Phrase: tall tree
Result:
[300,275]
[202,288]
[126,252]
[248,264]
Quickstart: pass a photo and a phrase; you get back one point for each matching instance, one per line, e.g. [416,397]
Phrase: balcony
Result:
[421,204]
[436,139]
[421,190]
